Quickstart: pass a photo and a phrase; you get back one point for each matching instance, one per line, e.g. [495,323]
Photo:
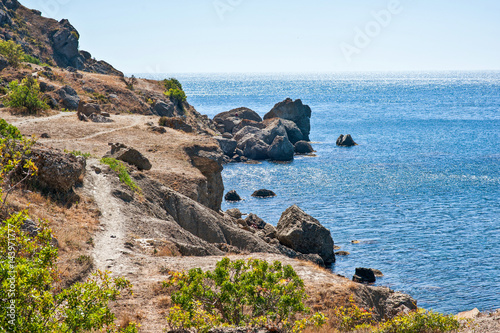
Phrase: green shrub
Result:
[122,172]
[12,52]
[31,59]
[25,96]
[78,153]
[240,293]
[174,91]
[352,317]
[420,321]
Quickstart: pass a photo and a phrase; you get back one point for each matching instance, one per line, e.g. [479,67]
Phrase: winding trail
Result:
[44,119]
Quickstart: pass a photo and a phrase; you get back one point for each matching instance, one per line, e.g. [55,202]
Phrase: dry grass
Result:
[73,227]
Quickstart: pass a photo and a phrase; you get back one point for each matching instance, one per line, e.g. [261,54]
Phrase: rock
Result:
[65,45]
[304,234]
[57,171]
[227,135]
[50,101]
[5,19]
[234,213]
[88,108]
[246,132]
[346,141]
[377,272]
[105,114]
[281,149]
[240,113]
[295,111]
[209,161]
[88,89]
[164,109]
[255,149]
[46,87]
[244,123]
[274,128]
[45,136]
[293,132]
[342,253]
[263,194]
[228,146]
[158,129]
[385,302]
[232,196]
[472,314]
[364,275]
[129,155]
[98,118]
[303,147]
[254,221]
[269,231]
[69,98]
[127,197]
[176,123]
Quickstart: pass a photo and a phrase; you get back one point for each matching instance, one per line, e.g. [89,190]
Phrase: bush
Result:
[420,321]
[174,91]
[31,59]
[352,317]
[122,172]
[25,96]
[13,52]
[240,293]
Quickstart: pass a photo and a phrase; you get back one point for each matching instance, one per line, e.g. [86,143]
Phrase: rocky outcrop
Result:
[364,275]
[303,147]
[281,149]
[386,303]
[346,141]
[255,149]
[305,234]
[295,111]
[88,108]
[129,155]
[57,171]
[177,123]
[69,97]
[263,193]
[232,196]
[164,109]
[228,146]
[209,161]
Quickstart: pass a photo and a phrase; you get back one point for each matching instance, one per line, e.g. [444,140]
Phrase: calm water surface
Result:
[420,192]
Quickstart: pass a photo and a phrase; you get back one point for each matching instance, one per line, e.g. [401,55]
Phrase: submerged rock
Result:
[303,147]
[346,141]
[364,275]
[263,194]
[232,196]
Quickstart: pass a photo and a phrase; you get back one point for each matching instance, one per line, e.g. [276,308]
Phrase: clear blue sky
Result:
[284,35]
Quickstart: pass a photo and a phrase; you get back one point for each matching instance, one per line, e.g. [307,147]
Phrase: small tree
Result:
[13,52]
[174,91]
[26,96]
[240,293]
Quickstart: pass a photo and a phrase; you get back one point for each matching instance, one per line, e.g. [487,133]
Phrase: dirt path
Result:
[28,120]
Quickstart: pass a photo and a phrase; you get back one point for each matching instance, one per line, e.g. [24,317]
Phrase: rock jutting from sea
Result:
[283,132]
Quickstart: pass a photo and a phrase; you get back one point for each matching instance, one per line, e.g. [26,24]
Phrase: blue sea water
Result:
[421,192]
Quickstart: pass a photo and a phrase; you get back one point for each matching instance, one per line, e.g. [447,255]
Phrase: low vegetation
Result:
[32,299]
[122,172]
[25,96]
[78,153]
[240,294]
[174,91]
[15,55]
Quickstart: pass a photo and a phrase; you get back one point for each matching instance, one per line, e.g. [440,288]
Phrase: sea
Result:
[421,191]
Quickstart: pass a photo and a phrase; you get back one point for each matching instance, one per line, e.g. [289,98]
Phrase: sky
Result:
[248,36]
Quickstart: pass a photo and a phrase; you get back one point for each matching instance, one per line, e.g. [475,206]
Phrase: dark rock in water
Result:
[245,132]
[241,113]
[255,149]
[346,141]
[274,128]
[293,132]
[263,194]
[228,146]
[364,275]
[303,147]
[342,253]
[254,221]
[295,111]
[234,213]
[232,196]
[129,155]
[304,234]
[378,273]
[281,149]
[244,123]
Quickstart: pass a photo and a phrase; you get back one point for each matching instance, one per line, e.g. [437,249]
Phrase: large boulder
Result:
[164,109]
[295,111]
[245,132]
[57,171]
[346,141]
[129,155]
[4,63]
[240,113]
[244,123]
[281,149]
[364,275]
[228,146]
[65,45]
[303,147]
[69,97]
[232,196]
[88,108]
[255,149]
[273,129]
[303,233]
[292,130]
[176,123]
[263,193]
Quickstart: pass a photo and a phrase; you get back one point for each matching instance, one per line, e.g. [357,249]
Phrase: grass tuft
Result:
[122,171]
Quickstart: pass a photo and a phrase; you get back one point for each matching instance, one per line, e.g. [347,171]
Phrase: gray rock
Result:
[364,275]
[129,155]
[245,131]
[274,128]
[385,302]
[127,197]
[65,45]
[255,149]
[240,113]
[69,98]
[88,108]
[164,109]
[234,213]
[281,149]
[295,111]
[304,234]
[5,19]
[254,221]
[263,193]
[292,130]
[346,141]
[244,123]
[227,135]
[228,146]
[303,147]
[98,118]
[4,63]
[232,196]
